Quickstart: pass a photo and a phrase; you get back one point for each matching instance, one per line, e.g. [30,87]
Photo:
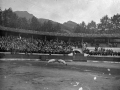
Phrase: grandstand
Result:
[94,38]
[29,41]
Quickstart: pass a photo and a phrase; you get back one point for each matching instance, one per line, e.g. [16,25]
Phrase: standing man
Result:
[84,46]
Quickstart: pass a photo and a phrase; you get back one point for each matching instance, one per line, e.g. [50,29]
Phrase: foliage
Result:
[9,19]
[107,24]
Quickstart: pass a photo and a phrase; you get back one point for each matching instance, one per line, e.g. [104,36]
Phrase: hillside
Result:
[70,24]
[65,27]
[24,14]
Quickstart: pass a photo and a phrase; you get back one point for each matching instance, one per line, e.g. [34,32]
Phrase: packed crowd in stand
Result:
[30,45]
[102,52]
[17,44]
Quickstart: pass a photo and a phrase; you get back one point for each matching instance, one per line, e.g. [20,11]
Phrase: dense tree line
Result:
[9,19]
[107,24]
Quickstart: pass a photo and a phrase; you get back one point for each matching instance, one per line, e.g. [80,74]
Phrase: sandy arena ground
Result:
[35,75]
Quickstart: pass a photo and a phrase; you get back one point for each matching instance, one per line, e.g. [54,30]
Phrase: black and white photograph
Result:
[59,44]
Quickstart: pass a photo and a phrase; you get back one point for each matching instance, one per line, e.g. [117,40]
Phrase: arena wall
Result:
[45,57]
[42,57]
[103,58]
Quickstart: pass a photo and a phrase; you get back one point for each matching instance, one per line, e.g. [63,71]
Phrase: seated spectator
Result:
[15,44]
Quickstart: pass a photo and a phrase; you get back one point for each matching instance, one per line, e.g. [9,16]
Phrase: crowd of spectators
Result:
[16,44]
[102,52]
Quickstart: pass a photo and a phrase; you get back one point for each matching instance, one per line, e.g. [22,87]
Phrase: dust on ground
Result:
[35,75]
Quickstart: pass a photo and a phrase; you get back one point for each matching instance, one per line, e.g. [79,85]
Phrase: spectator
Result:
[17,44]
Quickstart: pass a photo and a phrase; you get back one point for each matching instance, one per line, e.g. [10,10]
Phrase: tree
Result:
[57,28]
[105,23]
[49,26]
[92,27]
[116,21]
[43,27]
[22,23]
[0,16]
[9,18]
[13,20]
[83,24]
[34,24]
[4,18]
[81,28]
[77,29]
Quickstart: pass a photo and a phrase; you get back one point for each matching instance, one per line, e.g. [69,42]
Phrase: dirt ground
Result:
[36,75]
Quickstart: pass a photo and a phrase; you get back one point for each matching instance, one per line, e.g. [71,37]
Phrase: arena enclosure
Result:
[30,44]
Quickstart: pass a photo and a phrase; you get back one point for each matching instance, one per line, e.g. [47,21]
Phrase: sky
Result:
[65,10]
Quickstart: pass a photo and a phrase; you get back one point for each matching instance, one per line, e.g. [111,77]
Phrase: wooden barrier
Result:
[44,57]
[103,58]
[79,57]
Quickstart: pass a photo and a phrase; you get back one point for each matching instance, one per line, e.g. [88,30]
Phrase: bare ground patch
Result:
[34,76]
